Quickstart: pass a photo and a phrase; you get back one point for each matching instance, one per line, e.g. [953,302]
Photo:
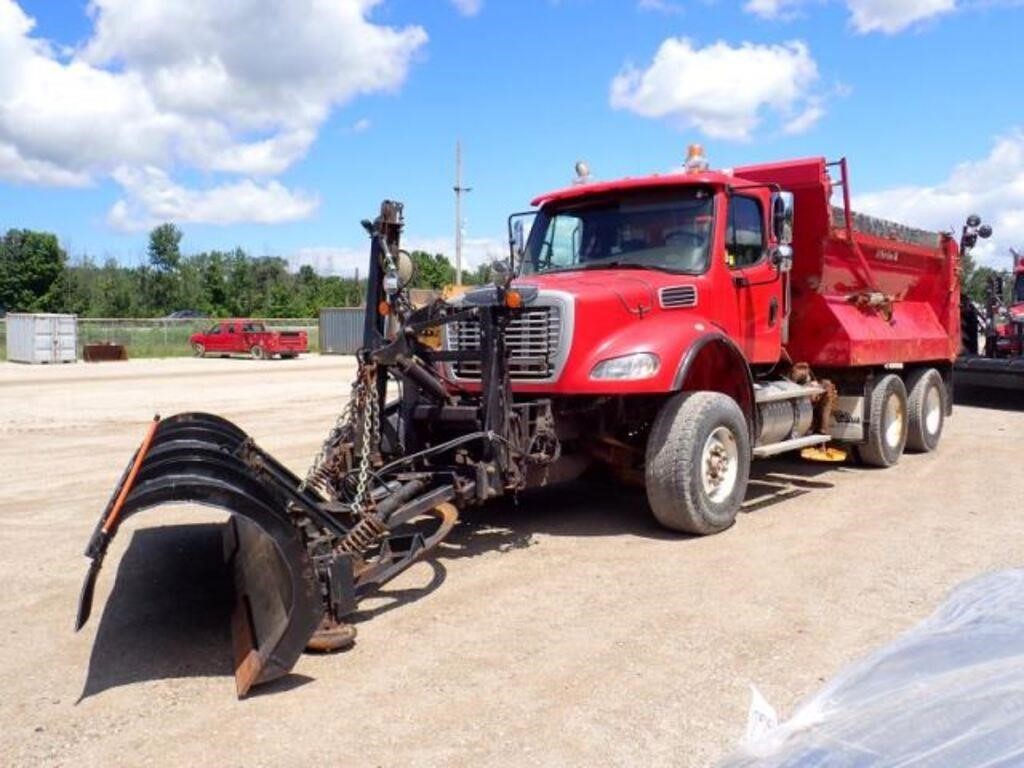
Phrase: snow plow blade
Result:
[989,373]
[203,459]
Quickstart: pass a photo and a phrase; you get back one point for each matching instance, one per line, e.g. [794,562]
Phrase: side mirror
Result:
[517,234]
[972,230]
[782,258]
[782,217]
[501,273]
[405,267]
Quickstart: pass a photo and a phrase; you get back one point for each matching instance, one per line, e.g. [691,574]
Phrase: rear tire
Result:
[698,463]
[887,423]
[198,350]
[926,405]
[257,352]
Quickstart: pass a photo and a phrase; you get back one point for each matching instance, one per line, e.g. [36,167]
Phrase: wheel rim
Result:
[257,352]
[933,410]
[720,464]
[893,420]
[197,350]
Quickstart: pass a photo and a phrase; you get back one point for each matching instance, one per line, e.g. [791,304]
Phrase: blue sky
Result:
[924,96]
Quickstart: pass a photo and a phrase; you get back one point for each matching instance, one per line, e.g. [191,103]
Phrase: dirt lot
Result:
[566,630]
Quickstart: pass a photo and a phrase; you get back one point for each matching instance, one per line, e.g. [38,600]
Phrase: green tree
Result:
[165,248]
[216,282]
[164,284]
[482,275]
[31,267]
[974,279]
[431,271]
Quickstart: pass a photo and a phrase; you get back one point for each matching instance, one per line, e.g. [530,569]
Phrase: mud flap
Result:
[204,459]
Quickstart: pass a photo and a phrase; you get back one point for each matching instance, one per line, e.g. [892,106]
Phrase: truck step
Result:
[771,394]
[763,451]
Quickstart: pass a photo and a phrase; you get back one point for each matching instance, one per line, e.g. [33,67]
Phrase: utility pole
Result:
[459,190]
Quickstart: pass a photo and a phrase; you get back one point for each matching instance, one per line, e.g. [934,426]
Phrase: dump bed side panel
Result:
[837,320]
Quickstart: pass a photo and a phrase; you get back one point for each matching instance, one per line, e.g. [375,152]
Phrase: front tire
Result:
[198,350]
[257,352]
[698,463]
[887,423]
[926,405]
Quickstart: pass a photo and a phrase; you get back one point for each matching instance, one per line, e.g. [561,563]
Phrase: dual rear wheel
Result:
[698,450]
[902,416]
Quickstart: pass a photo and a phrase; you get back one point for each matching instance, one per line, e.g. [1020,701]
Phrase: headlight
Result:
[641,365]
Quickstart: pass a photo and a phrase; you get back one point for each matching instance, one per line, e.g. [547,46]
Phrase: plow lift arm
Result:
[383,491]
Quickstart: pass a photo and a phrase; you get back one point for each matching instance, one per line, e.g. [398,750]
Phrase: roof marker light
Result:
[582,172]
[696,160]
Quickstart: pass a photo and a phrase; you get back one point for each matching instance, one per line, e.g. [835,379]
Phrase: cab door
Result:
[216,339]
[756,284]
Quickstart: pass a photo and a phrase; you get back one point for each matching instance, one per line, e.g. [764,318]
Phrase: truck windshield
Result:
[666,231]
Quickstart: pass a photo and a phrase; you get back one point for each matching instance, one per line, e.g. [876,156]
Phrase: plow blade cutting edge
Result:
[203,459]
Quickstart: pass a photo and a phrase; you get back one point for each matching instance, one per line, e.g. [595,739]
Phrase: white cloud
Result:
[475,250]
[772,9]
[362,125]
[992,187]
[891,16]
[886,16]
[660,6]
[239,88]
[331,260]
[685,84]
[468,7]
[345,261]
[152,197]
[805,120]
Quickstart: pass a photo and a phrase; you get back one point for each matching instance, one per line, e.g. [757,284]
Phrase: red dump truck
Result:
[671,328]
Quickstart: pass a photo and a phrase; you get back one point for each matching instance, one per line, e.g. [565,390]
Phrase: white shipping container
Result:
[42,338]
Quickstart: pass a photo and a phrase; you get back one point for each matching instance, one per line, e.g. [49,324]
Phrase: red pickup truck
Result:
[250,337]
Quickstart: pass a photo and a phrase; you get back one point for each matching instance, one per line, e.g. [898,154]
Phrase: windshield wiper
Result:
[626,265]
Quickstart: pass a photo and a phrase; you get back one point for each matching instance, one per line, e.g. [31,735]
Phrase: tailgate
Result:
[294,340]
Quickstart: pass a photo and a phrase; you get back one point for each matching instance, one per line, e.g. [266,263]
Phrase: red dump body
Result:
[837,268]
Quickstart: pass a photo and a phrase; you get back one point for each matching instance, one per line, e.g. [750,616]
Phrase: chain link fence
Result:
[161,337]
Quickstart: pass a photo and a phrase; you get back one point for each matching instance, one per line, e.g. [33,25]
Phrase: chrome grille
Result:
[678,296]
[533,338]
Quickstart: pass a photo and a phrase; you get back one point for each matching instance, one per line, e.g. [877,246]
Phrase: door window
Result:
[744,240]
[561,247]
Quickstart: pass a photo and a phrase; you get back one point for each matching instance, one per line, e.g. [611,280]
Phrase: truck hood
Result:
[635,291]
[616,313]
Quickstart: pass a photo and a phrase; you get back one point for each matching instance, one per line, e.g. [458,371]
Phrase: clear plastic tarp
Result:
[950,692]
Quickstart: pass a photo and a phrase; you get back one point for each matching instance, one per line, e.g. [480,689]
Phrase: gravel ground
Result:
[567,629]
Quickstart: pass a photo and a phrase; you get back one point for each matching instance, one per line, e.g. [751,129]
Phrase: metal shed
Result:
[42,338]
[341,330]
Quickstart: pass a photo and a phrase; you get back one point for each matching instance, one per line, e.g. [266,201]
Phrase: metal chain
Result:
[345,425]
[363,403]
[371,417]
